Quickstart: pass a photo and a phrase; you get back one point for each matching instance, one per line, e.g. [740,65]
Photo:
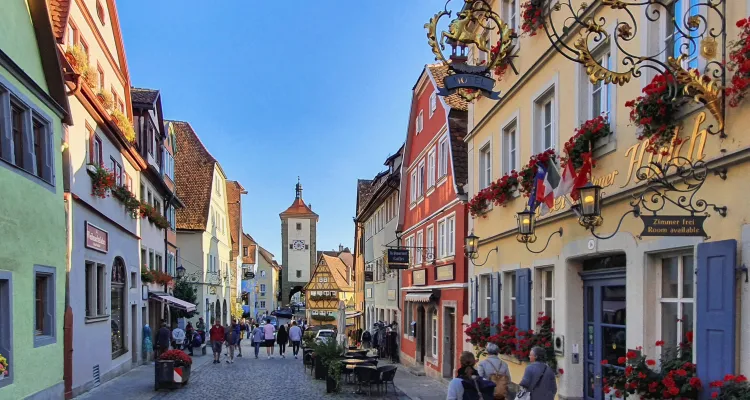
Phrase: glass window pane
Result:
[669,324]
[687,320]
[589,304]
[596,101]
[548,308]
[590,341]
[613,344]
[688,276]
[513,285]
[590,376]
[613,305]
[669,279]
[548,284]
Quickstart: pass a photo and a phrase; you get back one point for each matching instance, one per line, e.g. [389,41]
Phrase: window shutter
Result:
[523,299]
[494,301]
[28,142]
[473,299]
[716,311]
[49,154]
[5,126]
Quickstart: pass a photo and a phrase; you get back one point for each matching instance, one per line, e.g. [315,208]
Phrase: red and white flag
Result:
[567,180]
[583,176]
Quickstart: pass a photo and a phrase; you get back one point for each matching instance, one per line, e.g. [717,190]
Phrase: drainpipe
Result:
[68,317]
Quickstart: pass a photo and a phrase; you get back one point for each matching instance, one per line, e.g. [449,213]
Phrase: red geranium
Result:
[584,139]
[531,17]
[498,193]
[528,172]
[102,181]
[731,388]
[653,113]
[179,357]
[739,62]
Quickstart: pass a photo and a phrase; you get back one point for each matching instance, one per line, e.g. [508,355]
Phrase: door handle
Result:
[597,379]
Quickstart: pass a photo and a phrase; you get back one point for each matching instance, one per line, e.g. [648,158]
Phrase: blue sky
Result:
[319,89]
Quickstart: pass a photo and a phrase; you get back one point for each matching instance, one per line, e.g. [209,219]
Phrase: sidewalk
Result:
[419,387]
[138,383]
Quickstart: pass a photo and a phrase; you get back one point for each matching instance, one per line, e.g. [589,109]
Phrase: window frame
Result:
[434,339]
[431,164]
[418,250]
[49,333]
[510,126]
[96,303]
[668,23]
[421,171]
[509,296]
[679,300]
[6,324]
[441,238]
[542,295]
[433,103]
[485,293]
[485,164]
[420,122]
[413,187]
[443,158]
[71,28]
[550,93]
[100,12]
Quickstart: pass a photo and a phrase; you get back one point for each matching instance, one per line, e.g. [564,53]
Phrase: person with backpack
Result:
[538,378]
[496,370]
[467,385]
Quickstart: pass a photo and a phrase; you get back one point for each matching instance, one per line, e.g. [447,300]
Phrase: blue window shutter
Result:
[523,299]
[473,300]
[494,296]
[715,311]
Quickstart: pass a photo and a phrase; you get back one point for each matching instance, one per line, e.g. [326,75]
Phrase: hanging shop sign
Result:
[368,274]
[397,258]
[673,225]
[96,238]
[249,275]
[419,277]
[471,28]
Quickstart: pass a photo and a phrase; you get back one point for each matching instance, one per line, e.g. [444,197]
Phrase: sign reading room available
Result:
[673,225]
[397,258]
[96,238]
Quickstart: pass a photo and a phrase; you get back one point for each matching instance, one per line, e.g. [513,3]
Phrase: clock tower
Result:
[298,241]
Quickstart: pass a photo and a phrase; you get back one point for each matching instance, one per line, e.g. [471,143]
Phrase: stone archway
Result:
[293,290]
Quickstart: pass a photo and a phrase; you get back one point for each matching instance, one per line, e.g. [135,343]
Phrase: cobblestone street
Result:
[246,377]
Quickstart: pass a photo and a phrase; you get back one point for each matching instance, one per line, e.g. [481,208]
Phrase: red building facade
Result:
[433,224]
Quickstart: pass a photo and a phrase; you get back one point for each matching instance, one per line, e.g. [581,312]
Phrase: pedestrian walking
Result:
[467,385]
[243,333]
[366,338]
[268,332]
[538,378]
[189,336]
[495,370]
[162,339]
[230,339]
[148,346]
[217,339]
[178,335]
[257,338]
[295,336]
[281,339]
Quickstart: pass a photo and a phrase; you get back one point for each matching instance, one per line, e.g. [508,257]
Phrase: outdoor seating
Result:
[307,361]
[367,376]
[346,372]
[387,373]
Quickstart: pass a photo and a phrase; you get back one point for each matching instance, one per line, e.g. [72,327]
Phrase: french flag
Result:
[567,180]
[545,193]
[537,188]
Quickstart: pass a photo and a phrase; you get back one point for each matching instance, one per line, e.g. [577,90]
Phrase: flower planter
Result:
[320,369]
[168,376]
[91,169]
[330,384]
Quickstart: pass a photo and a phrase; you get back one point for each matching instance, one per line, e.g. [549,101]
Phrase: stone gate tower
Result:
[298,241]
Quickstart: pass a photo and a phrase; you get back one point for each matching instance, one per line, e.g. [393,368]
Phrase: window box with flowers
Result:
[146,275]
[102,180]
[323,297]
[323,318]
[656,113]
[731,388]
[78,59]
[528,172]
[4,368]
[124,124]
[105,98]
[128,199]
[531,17]
[498,193]
[584,140]
[162,278]
[739,62]
[674,378]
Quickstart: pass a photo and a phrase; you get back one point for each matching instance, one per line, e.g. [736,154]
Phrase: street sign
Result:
[368,276]
[397,258]
[249,275]
[673,225]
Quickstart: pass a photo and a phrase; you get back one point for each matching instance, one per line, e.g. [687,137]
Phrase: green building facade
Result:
[33,107]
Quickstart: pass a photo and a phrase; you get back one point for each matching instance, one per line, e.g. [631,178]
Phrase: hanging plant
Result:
[531,17]
[127,198]
[105,97]
[584,140]
[676,377]
[731,388]
[528,172]
[739,62]
[157,219]
[126,127]
[102,180]
[498,193]
[146,275]
[654,113]
[146,210]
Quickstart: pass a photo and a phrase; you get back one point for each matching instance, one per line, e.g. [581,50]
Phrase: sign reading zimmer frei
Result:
[673,225]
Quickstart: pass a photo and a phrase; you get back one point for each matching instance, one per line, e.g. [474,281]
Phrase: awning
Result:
[421,297]
[172,301]
[353,314]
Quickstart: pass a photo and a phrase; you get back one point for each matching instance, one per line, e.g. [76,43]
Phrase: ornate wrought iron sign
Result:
[472,27]
[673,225]
[397,258]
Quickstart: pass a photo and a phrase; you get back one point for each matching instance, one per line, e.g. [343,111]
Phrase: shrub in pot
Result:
[333,377]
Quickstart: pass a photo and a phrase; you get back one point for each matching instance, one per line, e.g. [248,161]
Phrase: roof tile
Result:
[194,171]
[439,72]
[147,96]
[338,271]
[59,11]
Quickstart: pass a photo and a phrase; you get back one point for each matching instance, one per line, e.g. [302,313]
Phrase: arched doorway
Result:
[293,291]
[117,307]
[224,313]
[217,311]
[212,315]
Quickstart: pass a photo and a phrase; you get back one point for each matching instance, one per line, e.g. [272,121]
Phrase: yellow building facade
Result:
[608,295]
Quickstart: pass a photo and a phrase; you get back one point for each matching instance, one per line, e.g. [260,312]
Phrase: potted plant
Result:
[498,193]
[126,127]
[334,376]
[172,369]
[102,180]
[739,62]
[4,369]
[77,58]
[105,97]
[324,352]
[584,140]
[146,275]
[531,17]
[731,388]
[655,113]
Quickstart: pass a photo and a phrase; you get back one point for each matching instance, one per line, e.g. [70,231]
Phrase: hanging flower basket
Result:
[739,62]
[102,180]
[655,113]
[128,199]
[528,172]
[584,140]
[499,193]
[531,17]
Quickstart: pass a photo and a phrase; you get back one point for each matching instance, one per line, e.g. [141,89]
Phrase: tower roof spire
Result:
[298,189]
[298,207]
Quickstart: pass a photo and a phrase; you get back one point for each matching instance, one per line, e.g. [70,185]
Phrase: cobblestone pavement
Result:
[262,378]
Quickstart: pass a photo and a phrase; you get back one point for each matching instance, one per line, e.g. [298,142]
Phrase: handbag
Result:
[524,394]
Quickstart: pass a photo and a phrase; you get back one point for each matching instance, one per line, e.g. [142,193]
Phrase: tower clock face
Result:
[298,245]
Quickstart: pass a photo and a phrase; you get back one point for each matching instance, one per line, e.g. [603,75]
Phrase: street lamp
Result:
[180,271]
[527,230]
[470,249]
[591,204]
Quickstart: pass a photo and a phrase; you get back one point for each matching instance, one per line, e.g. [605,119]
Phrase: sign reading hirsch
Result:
[96,239]
[673,225]
[397,258]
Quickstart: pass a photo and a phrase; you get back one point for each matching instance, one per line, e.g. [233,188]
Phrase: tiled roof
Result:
[457,122]
[338,271]
[234,203]
[58,14]
[347,257]
[266,255]
[439,72]
[194,171]
[298,208]
[147,96]
[364,192]
[328,253]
